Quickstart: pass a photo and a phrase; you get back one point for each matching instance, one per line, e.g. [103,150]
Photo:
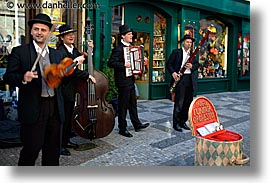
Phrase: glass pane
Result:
[189,30]
[239,62]
[12,29]
[246,55]
[143,38]
[212,56]
[116,22]
[158,65]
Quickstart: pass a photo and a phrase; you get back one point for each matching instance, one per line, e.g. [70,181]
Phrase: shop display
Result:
[243,60]
[212,58]
[246,55]
[140,57]
[158,65]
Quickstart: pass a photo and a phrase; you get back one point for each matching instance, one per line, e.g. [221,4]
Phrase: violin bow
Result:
[40,54]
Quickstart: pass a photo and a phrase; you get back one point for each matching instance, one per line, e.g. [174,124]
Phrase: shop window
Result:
[56,15]
[143,38]
[213,53]
[158,72]
[189,30]
[117,12]
[239,59]
[12,29]
[243,60]
[246,55]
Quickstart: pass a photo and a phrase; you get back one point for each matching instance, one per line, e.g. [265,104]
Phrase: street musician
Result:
[125,80]
[186,82]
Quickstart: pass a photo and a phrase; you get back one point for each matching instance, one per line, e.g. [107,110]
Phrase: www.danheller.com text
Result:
[54,5]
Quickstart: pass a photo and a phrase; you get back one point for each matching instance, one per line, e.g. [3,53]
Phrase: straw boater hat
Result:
[187,37]
[123,29]
[41,18]
[65,29]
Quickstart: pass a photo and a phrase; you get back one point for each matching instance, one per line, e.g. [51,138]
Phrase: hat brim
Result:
[31,22]
[182,39]
[125,32]
[66,32]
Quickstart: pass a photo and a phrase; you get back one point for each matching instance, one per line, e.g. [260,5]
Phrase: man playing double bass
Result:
[66,46]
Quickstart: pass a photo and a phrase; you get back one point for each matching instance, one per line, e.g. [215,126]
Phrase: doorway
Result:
[149,28]
[142,80]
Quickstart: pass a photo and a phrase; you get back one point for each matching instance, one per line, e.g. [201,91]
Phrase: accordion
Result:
[134,55]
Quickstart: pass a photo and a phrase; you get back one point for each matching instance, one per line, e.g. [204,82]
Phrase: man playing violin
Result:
[66,46]
[40,107]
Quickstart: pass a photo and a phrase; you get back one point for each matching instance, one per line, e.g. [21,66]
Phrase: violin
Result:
[54,73]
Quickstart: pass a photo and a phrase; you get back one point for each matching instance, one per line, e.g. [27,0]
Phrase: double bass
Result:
[93,117]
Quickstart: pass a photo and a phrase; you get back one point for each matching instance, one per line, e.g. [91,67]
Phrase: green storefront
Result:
[224,58]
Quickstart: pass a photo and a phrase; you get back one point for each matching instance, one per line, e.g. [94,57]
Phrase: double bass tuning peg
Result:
[89,28]
[88,24]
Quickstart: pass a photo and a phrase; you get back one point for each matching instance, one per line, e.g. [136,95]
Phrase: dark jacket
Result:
[69,83]
[117,62]
[174,65]
[20,61]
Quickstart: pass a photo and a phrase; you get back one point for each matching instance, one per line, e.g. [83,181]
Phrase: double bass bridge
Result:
[92,106]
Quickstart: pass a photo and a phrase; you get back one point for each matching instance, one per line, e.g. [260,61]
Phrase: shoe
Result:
[125,133]
[177,128]
[184,126]
[65,152]
[72,145]
[142,126]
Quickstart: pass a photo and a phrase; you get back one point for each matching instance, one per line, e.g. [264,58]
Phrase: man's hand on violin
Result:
[92,79]
[79,59]
[28,76]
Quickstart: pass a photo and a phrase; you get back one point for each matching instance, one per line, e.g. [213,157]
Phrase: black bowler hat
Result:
[65,29]
[187,37]
[41,18]
[123,29]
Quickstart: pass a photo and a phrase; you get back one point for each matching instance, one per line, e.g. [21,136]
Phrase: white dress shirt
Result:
[39,50]
[70,49]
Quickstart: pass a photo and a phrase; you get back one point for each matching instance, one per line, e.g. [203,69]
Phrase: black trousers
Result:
[183,99]
[67,125]
[127,100]
[44,134]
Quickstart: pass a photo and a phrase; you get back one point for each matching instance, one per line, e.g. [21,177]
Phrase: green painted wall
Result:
[183,12]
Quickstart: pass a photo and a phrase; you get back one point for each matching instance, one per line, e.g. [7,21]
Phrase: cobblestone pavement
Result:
[159,144]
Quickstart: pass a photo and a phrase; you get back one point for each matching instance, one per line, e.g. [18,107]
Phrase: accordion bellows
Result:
[135,56]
